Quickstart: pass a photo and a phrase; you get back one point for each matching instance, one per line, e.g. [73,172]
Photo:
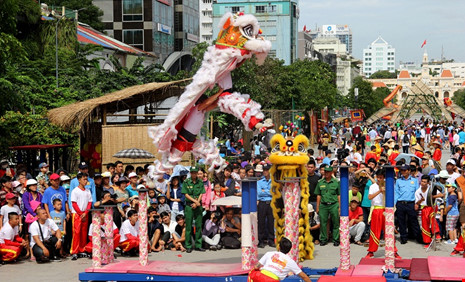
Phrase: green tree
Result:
[459,98]
[383,74]
[368,100]
[90,15]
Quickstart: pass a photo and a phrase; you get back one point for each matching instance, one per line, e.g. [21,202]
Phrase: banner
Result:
[324,114]
[356,115]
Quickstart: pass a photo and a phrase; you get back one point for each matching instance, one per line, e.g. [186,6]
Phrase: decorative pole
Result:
[249,223]
[143,234]
[108,256]
[96,240]
[389,230]
[344,219]
[291,195]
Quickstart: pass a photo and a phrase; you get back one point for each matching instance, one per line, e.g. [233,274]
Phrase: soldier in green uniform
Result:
[193,188]
[327,203]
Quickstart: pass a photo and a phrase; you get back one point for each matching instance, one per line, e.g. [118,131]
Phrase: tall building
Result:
[186,24]
[340,31]
[277,18]
[379,56]
[330,45]
[206,21]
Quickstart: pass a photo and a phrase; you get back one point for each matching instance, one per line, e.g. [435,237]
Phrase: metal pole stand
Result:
[249,223]
[291,195]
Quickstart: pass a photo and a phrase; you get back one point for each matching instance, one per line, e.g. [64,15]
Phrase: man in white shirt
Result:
[376,195]
[46,238]
[428,222]
[81,200]
[169,228]
[11,244]
[450,167]
[275,266]
[129,233]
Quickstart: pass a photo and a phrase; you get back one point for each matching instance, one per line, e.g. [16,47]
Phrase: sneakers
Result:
[454,253]
[74,257]
[396,255]
[213,248]
[370,255]
[449,242]
[189,250]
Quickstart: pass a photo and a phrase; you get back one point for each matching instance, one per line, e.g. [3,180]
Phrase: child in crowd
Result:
[59,216]
[452,213]
[10,207]
[162,205]
[217,193]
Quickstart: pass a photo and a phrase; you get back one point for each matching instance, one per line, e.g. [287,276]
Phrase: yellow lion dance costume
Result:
[290,200]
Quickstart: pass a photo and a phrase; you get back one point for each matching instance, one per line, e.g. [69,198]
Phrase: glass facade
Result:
[132,10]
[163,31]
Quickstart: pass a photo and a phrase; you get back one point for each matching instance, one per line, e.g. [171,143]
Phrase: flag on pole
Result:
[305,27]
[424,43]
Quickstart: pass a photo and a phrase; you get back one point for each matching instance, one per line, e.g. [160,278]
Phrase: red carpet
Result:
[446,268]
[171,268]
[419,270]
[399,263]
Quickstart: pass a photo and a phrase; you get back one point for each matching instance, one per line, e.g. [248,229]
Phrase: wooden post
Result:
[104,115]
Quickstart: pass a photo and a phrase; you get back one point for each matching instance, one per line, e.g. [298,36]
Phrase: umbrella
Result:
[134,153]
[406,157]
[228,201]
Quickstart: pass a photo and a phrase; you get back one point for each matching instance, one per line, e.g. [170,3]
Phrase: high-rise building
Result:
[206,21]
[277,18]
[186,24]
[340,31]
[379,55]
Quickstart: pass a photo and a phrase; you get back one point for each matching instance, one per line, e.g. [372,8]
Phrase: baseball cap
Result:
[405,167]
[328,168]
[132,174]
[15,184]
[194,169]
[10,196]
[31,182]
[451,161]
[141,186]
[355,199]
[54,176]
[310,208]
[267,167]
[83,165]
[153,201]
[259,168]
[97,175]
[43,165]
[443,174]
[106,174]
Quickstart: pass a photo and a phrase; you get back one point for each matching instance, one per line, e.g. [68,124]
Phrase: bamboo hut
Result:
[117,121]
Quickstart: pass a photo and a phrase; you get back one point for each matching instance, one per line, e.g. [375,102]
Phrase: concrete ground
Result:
[325,257]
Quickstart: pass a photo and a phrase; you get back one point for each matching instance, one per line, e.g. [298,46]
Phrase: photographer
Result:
[211,231]
[46,238]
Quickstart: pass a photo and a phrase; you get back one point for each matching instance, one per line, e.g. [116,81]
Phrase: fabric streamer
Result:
[96,241]
[143,235]
[345,242]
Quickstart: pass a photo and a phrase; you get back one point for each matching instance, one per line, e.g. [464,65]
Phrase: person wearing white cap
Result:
[133,178]
[30,196]
[451,171]
[314,224]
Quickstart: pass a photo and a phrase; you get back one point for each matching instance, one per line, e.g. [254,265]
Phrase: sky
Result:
[404,24]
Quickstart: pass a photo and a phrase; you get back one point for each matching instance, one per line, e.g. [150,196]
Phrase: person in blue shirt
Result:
[55,191]
[404,199]
[327,159]
[83,168]
[461,137]
[265,213]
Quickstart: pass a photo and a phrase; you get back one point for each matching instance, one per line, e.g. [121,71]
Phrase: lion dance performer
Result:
[239,38]
[290,193]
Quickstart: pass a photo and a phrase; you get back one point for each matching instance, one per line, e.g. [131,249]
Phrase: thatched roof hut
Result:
[75,115]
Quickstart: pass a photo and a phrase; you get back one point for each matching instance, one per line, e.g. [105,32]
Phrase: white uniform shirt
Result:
[279,264]
[82,198]
[171,228]
[128,228]
[379,199]
[453,177]
[102,234]
[8,233]
[6,209]
[47,229]
[418,194]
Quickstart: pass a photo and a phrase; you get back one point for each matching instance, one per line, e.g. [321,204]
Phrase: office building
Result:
[186,24]
[330,45]
[378,56]
[339,31]
[206,21]
[278,21]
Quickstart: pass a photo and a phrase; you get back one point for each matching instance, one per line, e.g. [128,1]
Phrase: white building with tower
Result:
[379,56]
[206,21]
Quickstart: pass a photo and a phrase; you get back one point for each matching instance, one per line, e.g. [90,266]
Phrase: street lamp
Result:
[56,40]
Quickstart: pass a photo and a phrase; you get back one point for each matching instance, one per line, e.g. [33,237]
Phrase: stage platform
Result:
[432,268]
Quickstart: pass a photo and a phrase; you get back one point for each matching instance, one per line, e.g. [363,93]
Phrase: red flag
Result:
[305,27]
[424,43]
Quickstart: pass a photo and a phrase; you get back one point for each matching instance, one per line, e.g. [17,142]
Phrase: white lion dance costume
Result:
[238,39]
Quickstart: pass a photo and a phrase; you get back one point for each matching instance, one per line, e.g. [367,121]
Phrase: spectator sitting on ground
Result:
[232,230]
[129,241]
[46,238]
[179,236]
[211,233]
[356,224]
[314,224]
[102,231]
[169,228]
[11,244]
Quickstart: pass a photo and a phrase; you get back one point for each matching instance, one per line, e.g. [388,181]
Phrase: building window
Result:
[235,9]
[134,38]
[207,13]
[207,1]
[260,9]
[207,25]
[436,94]
[132,10]
[272,9]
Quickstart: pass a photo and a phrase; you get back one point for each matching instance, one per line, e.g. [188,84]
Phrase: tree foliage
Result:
[383,74]
[90,15]
[459,97]
[368,100]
